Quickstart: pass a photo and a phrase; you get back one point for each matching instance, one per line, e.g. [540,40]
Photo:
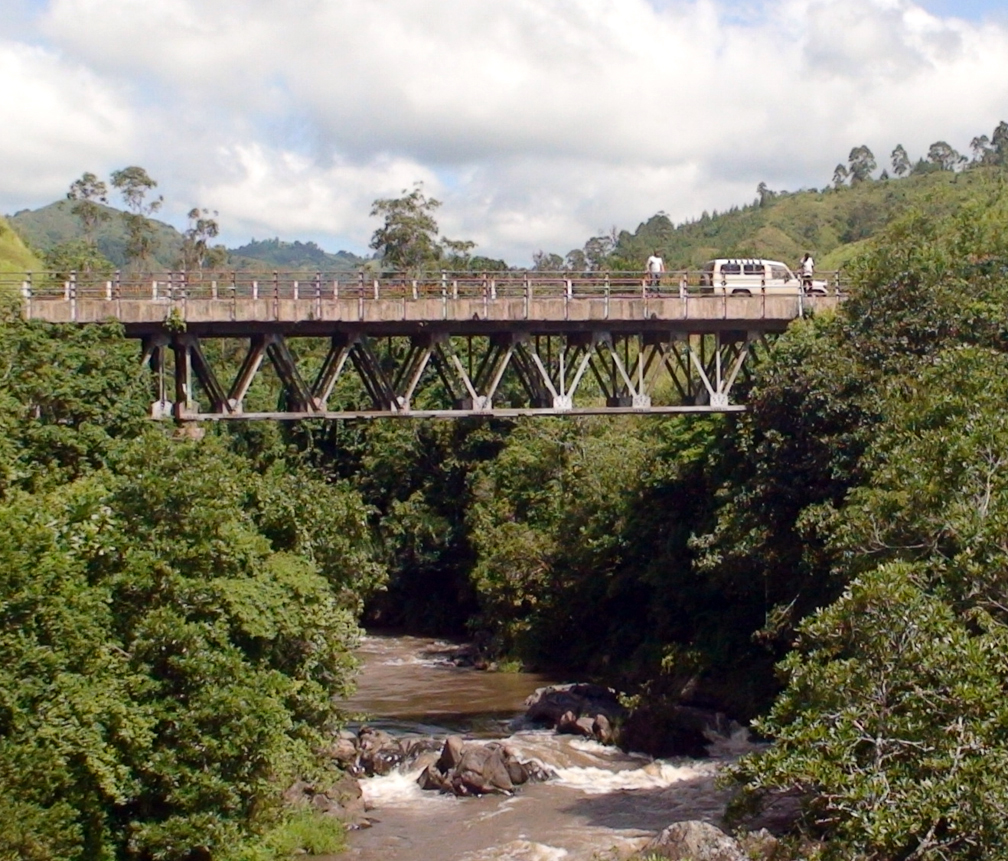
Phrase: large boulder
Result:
[548,705]
[694,841]
[373,751]
[482,771]
[479,769]
[378,751]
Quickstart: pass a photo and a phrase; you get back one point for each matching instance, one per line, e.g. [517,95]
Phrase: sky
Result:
[536,123]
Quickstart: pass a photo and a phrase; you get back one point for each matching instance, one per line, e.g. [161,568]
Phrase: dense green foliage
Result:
[892,723]
[176,616]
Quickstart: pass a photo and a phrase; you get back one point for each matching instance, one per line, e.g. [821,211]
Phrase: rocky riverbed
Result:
[440,750]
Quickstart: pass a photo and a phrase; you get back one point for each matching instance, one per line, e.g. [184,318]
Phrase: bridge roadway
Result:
[447,345]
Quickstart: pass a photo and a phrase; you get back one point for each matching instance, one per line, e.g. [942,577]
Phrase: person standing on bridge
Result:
[806,271]
[654,268]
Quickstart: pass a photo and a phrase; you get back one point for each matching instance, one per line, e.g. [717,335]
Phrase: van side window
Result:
[730,269]
[780,273]
[752,269]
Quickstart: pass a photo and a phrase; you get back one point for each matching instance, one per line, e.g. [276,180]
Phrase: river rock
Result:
[344,751]
[694,841]
[759,845]
[578,709]
[479,769]
[571,724]
[602,730]
[342,800]
[378,751]
[482,771]
[451,754]
[548,705]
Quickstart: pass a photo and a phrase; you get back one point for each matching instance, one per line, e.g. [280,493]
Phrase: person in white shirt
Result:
[807,268]
[654,268]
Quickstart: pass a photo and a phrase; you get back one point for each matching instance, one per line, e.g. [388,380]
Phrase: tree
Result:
[891,726]
[142,613]
[597,250]
[900,160]
[765,194]
[88,193]
[457,252]
[196,250]
[861,163]
[134,183]
[576,261]
[544,261]
[981,147]
[77,255]
[407,240]
[999,144]
[944,156]
[840,175]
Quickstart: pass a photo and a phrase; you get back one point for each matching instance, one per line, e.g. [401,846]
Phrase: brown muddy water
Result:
[603,804]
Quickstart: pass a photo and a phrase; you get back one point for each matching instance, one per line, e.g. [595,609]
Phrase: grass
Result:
[14,254]
[304,832]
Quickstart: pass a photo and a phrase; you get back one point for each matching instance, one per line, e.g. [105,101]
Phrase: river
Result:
[602,805]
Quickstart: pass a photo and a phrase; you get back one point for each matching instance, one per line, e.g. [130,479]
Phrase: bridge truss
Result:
[445,345]
[440,375]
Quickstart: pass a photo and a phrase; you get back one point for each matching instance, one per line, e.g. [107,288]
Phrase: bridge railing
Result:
[363,285]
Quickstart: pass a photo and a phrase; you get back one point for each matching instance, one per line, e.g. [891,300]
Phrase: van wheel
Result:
[741,293]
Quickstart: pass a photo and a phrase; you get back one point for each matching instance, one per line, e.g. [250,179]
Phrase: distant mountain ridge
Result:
[297,255]
[44,228]
[833,224]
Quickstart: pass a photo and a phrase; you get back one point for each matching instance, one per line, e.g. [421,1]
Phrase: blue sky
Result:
[972,9]
[538,123]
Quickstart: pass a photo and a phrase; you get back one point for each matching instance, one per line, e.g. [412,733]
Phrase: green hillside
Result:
[831,224]
[292,255]
[52,225]
[55,224]
[14,255]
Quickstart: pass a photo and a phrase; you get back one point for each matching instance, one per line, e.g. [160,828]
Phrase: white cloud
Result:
[57,120]
[538,122]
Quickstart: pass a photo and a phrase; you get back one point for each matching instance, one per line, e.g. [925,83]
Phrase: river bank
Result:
[603,803]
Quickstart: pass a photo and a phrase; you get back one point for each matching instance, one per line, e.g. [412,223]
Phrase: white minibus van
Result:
[749,277]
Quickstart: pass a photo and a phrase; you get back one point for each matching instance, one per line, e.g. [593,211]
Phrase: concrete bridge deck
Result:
[467,335]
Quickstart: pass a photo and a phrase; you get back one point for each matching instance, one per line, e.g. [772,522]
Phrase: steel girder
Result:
[514,373]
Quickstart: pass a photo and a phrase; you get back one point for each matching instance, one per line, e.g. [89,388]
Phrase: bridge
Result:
[438,345]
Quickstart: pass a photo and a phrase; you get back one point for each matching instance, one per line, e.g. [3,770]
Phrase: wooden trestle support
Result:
[543,374]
